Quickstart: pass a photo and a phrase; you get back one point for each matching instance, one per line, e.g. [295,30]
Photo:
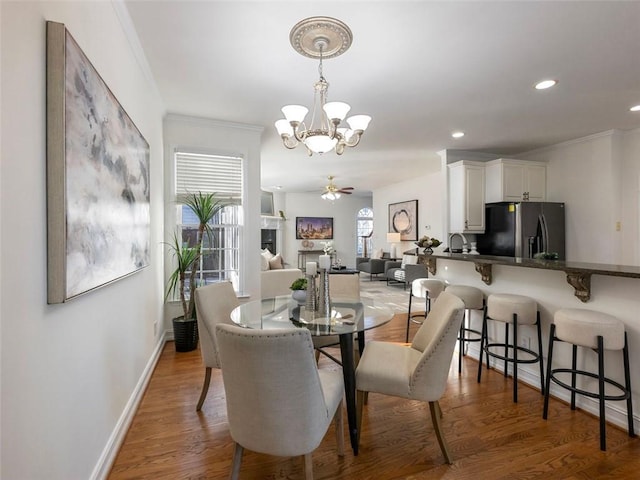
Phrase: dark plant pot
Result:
[185,334]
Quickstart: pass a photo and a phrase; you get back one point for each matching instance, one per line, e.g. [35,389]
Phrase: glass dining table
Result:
[348,316]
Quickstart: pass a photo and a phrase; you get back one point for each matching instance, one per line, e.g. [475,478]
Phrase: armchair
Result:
[406,271]
[372,266]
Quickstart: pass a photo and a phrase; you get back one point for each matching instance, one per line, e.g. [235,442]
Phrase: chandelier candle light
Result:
[321,37]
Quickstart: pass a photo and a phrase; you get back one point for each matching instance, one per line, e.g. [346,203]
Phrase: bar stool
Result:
[473,299]
[517,310]
[427,288]
[596,331]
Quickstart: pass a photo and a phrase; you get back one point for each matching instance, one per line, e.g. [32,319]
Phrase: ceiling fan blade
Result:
[346,190]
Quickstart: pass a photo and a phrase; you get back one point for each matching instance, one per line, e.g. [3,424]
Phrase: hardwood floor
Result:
[489,436]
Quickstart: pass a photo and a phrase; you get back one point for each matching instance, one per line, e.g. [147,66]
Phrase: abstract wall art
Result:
[98,216]
[403,219]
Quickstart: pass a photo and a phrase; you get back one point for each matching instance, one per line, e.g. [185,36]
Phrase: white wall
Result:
[344,212]
[429,190]
[598,178]
[69,370]
[222,138]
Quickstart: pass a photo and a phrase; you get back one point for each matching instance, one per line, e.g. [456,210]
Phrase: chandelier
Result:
[321,37]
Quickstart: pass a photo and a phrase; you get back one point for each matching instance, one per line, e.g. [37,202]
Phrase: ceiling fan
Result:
[331,192]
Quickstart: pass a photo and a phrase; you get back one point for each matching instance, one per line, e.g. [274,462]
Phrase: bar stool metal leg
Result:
[627,384]
[552,337]
[603,433]
[515,358]
[541,356]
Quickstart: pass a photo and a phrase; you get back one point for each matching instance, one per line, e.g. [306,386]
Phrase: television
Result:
[266,203]
[314,228]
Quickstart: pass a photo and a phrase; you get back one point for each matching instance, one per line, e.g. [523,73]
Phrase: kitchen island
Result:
[612,289]
[578,273]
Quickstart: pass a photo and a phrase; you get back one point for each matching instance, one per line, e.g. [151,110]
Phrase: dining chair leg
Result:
[237,460]
[205,388]
[339,422]
[434,407]
[308,467]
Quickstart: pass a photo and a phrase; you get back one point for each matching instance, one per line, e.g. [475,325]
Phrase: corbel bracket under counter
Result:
[578,274]
[581,282]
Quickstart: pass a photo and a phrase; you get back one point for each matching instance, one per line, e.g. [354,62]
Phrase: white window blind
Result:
[207,173]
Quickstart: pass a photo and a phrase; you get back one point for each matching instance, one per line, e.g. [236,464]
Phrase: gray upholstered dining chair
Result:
[278,402]
[416,372]
[214,304]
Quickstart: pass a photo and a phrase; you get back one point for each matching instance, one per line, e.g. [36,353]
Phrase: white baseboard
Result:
[105,462]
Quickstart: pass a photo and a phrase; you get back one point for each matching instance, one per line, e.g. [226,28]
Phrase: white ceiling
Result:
[420,69]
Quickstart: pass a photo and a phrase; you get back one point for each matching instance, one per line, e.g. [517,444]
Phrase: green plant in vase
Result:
[205,207]
[299,290]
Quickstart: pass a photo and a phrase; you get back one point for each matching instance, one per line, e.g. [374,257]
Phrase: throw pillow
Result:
[264,263]
[376,253]
[409,260]
[276,262]
[265,256]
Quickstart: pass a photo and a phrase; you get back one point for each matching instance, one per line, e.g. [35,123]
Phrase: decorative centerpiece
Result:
[428,244]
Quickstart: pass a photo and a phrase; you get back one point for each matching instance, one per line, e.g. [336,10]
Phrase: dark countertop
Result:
[578,273]
[593,268]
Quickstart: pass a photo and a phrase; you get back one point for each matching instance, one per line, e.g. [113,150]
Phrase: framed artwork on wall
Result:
[98,216]
[403,219]
[314,228]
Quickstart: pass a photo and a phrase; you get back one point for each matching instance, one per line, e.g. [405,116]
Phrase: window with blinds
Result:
[209,174]
[222,175]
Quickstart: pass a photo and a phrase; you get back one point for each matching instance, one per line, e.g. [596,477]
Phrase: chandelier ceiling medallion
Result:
[322,38]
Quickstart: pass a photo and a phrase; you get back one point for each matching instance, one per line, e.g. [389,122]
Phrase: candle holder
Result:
[311,301]
[324,300]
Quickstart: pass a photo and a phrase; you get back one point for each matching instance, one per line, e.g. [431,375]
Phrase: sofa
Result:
[406,271]
[275,279]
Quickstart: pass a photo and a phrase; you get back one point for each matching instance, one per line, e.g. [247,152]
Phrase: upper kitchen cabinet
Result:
[466,197]
[509,180]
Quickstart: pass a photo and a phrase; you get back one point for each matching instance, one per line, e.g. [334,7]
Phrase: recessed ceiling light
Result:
[545,84]
[457,134]
[635,108]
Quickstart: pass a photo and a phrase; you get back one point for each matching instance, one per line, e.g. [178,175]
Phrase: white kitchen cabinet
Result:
[509,180]
[466,197]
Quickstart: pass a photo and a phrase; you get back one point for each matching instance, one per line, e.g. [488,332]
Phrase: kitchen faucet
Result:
[462,238]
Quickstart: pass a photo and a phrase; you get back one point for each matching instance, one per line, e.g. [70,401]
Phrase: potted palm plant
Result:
[187,257]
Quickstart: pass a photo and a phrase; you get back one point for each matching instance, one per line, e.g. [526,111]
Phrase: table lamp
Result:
[393,238]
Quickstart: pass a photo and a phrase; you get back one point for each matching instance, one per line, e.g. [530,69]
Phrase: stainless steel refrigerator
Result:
[523,229]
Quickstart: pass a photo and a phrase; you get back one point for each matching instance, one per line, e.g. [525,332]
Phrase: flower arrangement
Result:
[428,242]
[327,247]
